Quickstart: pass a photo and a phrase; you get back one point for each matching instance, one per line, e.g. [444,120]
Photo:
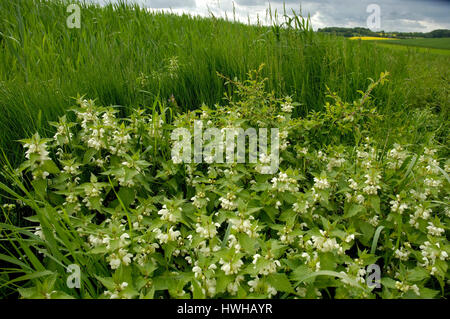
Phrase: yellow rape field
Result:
[370,38]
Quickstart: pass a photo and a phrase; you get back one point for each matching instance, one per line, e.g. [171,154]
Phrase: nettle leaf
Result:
[352,209]
[339,233]
[40,187]
[289,198]
[169,248]
[107,282]
[127,195]
[50,167]
[222,282]
[88,155]
[261,187]
[253,210]
[374,202]
[173,183]
[96,203]
[417,274]
[388,282]
[271,212]
[427,293]
[300,272]
[367,231]
[327,261]
[197,292]
[442,267]
[250,245]
[129,292]
[280,282]
[288,216]
[30,293]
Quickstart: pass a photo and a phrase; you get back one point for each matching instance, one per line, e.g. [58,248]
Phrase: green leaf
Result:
[427,293]
[416,274]
[300,272]
[227,234]
[388,282]
[127,195]
[272,212]
[280,282]
[29,293]
[33,275]
[331,274]
[107,282]
[367,231]
[374,202]
[50,167]
[88,155]
[197,291]
[375,239]
[351,210]
[250,245]
[40,187]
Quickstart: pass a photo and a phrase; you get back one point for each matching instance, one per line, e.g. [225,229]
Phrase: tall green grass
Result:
[43,63]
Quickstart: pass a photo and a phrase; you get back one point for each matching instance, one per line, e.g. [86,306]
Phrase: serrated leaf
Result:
[416,274]
[280,282]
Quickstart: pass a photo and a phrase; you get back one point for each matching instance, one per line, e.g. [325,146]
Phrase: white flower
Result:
[114,262]
[349,238]
[167,215]
[283,183]
[227,202]
[231,268]
[360,199]
[287,107]
[402,254]
[321,183]
[209,231]
[255,258]
[353,185]
[197,270]
[433,230]
[397,206]
[271,291]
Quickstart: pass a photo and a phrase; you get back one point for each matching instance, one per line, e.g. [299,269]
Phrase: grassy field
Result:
[428,46]
[115,55]
[412,49]
[89,178]
[438,43]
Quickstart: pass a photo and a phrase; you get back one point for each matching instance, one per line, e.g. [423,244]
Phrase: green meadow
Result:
[117,52]
[432,43]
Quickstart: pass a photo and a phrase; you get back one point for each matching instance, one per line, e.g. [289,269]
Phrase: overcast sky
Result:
[395,15]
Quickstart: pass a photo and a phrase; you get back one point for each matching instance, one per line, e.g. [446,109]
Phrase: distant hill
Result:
[352,32]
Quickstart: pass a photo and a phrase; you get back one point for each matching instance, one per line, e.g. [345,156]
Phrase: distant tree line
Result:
[354,32]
